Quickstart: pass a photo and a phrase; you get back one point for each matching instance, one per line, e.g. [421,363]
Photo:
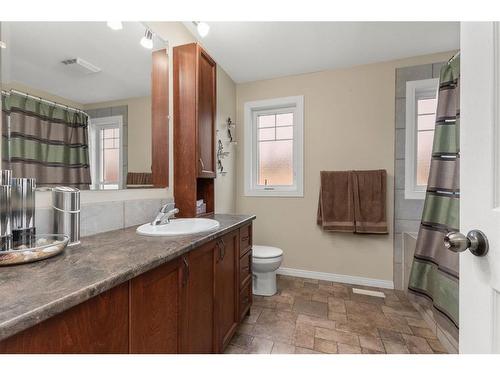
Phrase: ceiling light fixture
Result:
[115,25]
[3,44]
[202,27]
[147,39]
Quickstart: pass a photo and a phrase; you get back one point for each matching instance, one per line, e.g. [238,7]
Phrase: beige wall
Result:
[139,130]
[349,124]
[225,185]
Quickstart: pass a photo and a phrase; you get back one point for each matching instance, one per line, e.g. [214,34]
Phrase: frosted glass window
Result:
[110,155]
[284,119]
[427,106]
[267,121]
[276,163]
[426,118]
[267,134]
[284,132]
[424,155]
[275,149]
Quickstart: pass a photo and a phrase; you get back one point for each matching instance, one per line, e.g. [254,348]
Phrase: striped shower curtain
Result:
[434,274]
[46,142]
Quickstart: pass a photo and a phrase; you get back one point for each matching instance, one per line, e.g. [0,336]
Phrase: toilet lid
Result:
[266,251]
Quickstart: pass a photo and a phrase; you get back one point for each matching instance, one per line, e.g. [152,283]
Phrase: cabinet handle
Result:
[245,238]
[219,256]
[223,246]
[186,271]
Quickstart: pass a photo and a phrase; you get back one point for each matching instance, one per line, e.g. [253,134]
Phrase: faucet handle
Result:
[167,207]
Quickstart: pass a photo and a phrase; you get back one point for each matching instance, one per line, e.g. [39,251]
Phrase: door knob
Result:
[475,241]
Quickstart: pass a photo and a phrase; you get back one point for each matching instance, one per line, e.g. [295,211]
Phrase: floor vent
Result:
[373,293]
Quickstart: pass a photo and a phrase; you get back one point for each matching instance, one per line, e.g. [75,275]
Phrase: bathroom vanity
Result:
[119,292]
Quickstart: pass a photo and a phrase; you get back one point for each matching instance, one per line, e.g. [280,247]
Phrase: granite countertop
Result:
[34,292]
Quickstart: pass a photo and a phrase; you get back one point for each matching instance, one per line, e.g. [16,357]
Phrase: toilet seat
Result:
[266,252]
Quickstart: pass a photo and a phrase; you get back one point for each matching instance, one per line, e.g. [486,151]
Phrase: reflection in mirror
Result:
[76,103]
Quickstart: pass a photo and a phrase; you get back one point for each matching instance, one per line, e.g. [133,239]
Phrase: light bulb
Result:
[147,39]
[115,25]
[203,29]
[3,44]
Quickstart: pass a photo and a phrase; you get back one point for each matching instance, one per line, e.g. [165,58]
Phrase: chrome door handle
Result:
[476,241]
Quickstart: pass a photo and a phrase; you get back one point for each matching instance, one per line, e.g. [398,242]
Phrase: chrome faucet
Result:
[166,213]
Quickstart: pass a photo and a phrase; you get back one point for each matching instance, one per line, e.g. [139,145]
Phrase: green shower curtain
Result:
[434,275]
[44,141]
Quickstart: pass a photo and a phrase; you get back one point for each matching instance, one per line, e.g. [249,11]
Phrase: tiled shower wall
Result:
[105,216]
[407,212]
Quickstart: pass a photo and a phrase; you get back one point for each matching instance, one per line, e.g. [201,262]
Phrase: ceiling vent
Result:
[79,65]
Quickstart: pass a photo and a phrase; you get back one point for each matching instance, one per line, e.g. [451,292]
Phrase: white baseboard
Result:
[346,279]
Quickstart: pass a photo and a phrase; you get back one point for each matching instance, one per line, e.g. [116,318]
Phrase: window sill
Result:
[419,195]
[274,193]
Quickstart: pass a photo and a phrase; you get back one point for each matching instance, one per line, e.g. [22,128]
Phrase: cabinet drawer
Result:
[245,299]
[245,268]
[245,239]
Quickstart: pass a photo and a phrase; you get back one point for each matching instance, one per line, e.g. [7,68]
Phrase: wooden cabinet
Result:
[205,130]
[226,289]
[99,325]
[194,128]
[191,304]
[159,119]
[197,301]
[154,310]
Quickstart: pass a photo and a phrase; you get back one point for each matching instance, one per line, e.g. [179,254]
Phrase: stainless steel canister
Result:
[66,205]
[5,210]
[23,203]
[23,210]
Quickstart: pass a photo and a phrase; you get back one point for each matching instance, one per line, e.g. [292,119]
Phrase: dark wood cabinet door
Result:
[226,288]
[159,119]
[99,325]
[197,304]
[154,310]
[206,115]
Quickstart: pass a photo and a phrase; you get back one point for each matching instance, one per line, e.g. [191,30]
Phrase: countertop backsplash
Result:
[105,216]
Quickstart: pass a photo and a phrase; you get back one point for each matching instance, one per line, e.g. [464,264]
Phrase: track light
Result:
[202,27]
[147,39]
[115,25]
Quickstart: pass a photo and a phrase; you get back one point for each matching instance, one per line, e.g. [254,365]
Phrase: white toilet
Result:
[265,261]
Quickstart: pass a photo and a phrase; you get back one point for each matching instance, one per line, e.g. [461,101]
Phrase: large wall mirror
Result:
[82,103]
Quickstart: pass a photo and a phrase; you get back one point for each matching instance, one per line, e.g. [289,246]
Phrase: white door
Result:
[480,185]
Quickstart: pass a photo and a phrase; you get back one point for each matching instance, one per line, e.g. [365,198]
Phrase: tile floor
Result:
[311,316]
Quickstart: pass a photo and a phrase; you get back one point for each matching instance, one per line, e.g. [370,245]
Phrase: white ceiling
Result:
[250,51]
[36,49]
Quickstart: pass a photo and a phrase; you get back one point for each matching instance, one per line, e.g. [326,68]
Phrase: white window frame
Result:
[415,90]
[252,189]
[97,124]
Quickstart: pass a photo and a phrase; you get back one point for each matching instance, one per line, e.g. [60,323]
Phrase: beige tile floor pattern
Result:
[315,316]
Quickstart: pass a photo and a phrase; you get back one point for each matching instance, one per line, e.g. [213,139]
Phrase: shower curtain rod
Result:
[44,101]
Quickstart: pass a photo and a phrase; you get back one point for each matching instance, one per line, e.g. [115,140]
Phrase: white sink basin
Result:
[179,227]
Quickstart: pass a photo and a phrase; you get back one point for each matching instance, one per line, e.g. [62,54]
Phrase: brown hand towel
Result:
[335,206]
[370,201]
